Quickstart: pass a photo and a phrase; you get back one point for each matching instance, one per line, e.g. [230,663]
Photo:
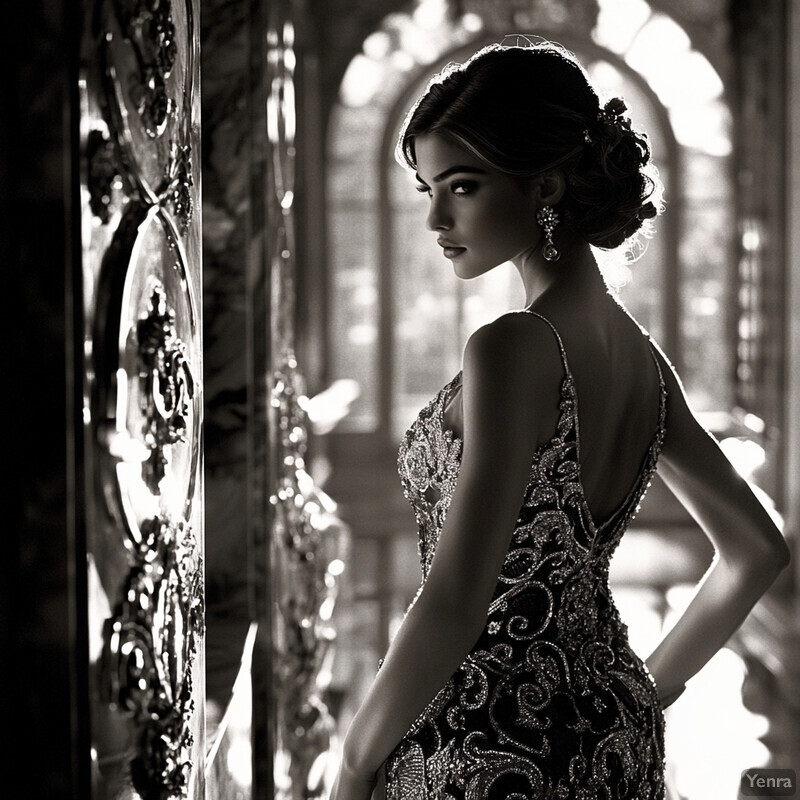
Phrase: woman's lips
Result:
[451,250]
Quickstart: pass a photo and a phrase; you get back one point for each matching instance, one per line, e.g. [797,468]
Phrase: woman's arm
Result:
[750,550]
[449,613]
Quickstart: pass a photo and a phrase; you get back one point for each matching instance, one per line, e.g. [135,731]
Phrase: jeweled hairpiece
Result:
[612,113]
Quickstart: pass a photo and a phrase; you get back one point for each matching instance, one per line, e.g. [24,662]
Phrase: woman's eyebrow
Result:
[452,170]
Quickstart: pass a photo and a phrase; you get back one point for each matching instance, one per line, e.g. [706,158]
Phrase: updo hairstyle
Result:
[525,111]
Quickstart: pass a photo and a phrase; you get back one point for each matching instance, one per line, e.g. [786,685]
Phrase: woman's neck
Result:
[575,270]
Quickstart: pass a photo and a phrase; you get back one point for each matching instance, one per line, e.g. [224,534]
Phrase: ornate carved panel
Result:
[143,396]
[307,537]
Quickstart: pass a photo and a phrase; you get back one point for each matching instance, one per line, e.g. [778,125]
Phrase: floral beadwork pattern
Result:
[551,702]
[428,462]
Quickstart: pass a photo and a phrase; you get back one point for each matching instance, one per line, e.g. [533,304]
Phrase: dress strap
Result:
[558,339]
[651,345]
[662,393]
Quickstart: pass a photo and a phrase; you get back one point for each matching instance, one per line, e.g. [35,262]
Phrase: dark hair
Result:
[529,110]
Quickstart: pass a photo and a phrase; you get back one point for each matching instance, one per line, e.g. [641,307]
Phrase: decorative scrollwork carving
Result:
[148,25]
[150,644]
[145,390]
[307,535]
[151,638]
[102,173]
[147,409]
[179,194]
[168,385]
[147,59]
[309,542]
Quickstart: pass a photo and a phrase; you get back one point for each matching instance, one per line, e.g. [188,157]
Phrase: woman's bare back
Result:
[617,386]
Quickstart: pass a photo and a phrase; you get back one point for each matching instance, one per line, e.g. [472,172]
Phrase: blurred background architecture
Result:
[224,310]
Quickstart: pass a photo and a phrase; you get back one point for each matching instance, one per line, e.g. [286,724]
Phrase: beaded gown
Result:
[551,702]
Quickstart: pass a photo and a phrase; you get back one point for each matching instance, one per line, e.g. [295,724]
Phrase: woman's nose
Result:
[439,218]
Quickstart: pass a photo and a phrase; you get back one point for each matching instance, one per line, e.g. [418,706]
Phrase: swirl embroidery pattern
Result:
[551,702]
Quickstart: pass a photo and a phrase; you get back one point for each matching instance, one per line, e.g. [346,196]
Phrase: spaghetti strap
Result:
[651,345]
[558,339]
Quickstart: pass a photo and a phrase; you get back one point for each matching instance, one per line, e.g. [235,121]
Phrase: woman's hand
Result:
[351,785]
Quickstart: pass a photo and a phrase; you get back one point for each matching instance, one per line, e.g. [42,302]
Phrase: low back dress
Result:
[551,702]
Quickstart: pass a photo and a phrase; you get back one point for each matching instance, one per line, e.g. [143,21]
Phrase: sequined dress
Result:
[551,702]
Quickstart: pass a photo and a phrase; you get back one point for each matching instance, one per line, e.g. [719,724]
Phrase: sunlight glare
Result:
[656,44]
[618,23]
[711,736]
[377,45]
[745,454]
[402,61]
[685,82]
[614,268]
[430,13]
[420,45]
[361,81]
[607,77]
[239,760]
[639,609]
[706,127]
[472,23]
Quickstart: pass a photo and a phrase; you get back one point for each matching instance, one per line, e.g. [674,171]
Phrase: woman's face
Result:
[482,217]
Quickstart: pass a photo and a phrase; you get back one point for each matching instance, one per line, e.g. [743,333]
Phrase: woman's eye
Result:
[461,188]
[458,188]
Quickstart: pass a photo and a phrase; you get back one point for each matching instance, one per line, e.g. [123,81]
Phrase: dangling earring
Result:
[548,219]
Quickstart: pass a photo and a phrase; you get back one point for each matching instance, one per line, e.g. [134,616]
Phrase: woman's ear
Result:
[550,187]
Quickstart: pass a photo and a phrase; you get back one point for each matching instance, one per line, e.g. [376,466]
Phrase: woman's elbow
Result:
[782,555]
[774,553]
[765,560]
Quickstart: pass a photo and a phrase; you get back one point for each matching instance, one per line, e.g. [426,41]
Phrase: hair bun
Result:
[612,188]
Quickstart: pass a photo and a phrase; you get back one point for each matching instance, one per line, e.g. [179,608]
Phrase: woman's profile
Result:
[512,675]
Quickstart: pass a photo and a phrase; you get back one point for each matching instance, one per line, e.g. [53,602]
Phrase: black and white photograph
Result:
[404,399]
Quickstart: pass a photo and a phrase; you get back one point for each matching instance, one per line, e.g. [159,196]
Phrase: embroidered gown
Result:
[551,702]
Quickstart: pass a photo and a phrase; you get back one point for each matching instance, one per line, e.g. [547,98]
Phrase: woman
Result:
[511,675]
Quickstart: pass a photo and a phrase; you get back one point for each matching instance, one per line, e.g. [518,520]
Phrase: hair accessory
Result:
[548,219]
[612,112]
[587,137]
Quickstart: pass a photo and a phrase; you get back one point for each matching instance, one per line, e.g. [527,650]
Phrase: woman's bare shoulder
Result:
[513,366]
[517,339]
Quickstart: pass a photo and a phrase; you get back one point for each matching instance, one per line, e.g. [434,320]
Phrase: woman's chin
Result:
[467,271]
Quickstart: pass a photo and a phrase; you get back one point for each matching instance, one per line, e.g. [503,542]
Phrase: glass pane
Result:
[706,258]
[353,252]
[355,310]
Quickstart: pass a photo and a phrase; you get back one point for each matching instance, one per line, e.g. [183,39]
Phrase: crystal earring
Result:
[548,219]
